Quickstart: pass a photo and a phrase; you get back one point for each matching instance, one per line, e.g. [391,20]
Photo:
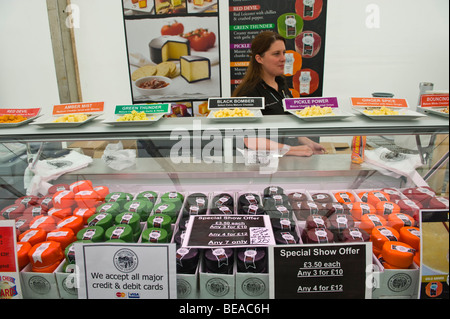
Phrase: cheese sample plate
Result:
[338,115]
[152,118]
[436,111]
[48,122]
[29,120]
[257,115]
[403,115]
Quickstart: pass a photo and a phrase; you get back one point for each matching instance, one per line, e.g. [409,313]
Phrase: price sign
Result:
[301,103]
[228,231]
[9,270]
[322,271]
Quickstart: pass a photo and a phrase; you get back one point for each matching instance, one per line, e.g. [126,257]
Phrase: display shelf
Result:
[284,124]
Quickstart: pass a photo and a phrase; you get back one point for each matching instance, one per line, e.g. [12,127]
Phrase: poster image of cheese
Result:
[170,6]
[183,49]
[198,6]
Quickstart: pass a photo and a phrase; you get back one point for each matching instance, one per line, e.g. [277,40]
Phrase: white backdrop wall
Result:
[391,47]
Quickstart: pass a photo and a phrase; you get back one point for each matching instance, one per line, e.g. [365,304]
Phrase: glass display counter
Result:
[202,156]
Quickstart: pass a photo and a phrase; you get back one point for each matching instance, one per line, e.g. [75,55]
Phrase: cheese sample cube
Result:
[195,68]
[167,48]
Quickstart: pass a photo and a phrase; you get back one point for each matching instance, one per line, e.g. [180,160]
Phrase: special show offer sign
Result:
[121,271]
[335,271]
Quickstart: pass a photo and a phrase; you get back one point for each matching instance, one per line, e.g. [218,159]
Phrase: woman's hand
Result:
[315,147]
[301,150]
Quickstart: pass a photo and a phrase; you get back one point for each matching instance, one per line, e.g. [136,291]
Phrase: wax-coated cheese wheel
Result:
[394,194]
[104,220]
[58,188]
[195,68]
[45,255]
[374,197]
[121,231]
[317,221]
[35,210]
[219,260]
[95,234]
[344,197]
[59,213]
[84,213]
[160,221]
[438,203]
[80,186]
[155,235]
[102,192]
[317,236]
[400,220]
[398,254]
[359,209]
[410,207]
[13,211]
[387,208]
[382,234]
[47,223]
[117,197]
[322,198]
[252,260]
[22,249]
[370,221]
[33,236]
[420,194]
[87,198]
[75,223]
[63,199]
[27,201]
[110,207]
[354,235]
[411,236]
[46,202]
[64,236]
[187,260]
[129,218]
[23,223]
[166,48]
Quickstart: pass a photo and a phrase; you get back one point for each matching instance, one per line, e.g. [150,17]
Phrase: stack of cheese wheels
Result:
[45,256]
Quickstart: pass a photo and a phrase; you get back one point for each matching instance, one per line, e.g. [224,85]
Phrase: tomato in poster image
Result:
[201,39]
[174,28]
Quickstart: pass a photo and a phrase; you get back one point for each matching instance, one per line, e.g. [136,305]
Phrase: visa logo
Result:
[134,295]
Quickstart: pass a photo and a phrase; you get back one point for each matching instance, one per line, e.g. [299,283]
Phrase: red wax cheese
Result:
[27,200]
[46,202]
[23,223]
[398,254]
[410,207]
[438,203]
[58,188]
[420,194]
[35,210]
[13,211]
[394,194]
[63,199]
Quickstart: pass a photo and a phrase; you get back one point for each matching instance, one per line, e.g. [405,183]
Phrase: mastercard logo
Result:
[120,295]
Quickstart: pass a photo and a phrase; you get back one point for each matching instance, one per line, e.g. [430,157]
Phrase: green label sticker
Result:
[147,109]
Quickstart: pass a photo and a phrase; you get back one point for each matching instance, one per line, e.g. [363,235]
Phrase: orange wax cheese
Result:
[75,223]
[47,223]
[63,199]
[400,220]
[64,236]
[370,221]
[102,192]
[22,249]
[59,213]
[33,236]
[411,236]
[44,256]
[359,209]
[398,254]
[85,213]
[87,198]
[80,186]
[382,234]
[387,208]
[344,197]
[374,197]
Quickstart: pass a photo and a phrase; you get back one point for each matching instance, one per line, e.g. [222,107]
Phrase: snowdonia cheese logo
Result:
[8,287]
[125,260]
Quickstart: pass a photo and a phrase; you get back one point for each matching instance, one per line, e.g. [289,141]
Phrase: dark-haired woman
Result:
[265,78]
